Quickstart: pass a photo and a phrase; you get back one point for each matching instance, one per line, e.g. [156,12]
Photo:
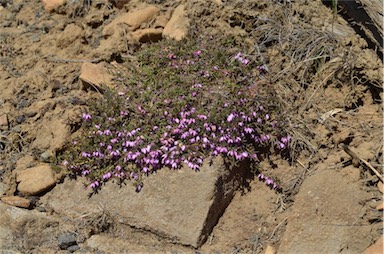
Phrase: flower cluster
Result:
[194,108]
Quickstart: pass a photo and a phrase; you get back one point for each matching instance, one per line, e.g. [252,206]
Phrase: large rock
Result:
[320,224]
[181,205]
[133,19]
[96,75]
[177,26]
[36,180]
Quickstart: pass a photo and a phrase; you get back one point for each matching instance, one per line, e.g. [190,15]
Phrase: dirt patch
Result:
[328,80]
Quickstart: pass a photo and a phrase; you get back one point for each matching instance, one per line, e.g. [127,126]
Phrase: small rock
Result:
[95,75]
[73,248]
[20,119]
[70,34]
[380,206]
[133,19]
[380,186]
[67,240]
[376,248]
[120,3]
[3,186]
[50,5]
[148,35]
[177,26]
[270,250]
[46,156]
[35,180]
[16,201]
[3,121]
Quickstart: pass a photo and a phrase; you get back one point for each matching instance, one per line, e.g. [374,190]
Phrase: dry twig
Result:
[358,161]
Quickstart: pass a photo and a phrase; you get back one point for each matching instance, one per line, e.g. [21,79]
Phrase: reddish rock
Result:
[16,201]
[177,26]
[95,75]
[148,35]
[133,20]
[376,248]
[36,180]
[50,5]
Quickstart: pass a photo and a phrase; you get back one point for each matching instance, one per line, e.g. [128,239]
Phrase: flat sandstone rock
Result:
[182,205]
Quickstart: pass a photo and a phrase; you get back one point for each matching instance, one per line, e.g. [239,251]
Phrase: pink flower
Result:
[197,53]
[230,117]
[86,117]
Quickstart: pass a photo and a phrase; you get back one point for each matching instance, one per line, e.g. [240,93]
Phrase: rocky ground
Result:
[54,57]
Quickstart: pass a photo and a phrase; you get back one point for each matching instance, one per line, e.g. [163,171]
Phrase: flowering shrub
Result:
[184,102]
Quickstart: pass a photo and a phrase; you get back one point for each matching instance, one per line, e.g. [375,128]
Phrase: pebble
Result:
[4,121]
[16,201]
[270,250]
[73,248]
[67,240]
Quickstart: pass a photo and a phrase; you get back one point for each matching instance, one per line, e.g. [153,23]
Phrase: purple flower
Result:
[86,117]
[248,130]
[245,61]
[139,187]
[197,86]
[107,176]
[197,53]
[171,56]
[94,184]
[230,117]
[202,117]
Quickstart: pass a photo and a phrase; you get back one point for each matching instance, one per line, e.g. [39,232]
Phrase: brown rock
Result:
[70,34]
[376,248]
[35,180]
[148,35]
[270,250]
[177,26]
[133,19]
[16,201]
[380,206]
[95,75]
[50,5]
[380,186]
[3,121]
